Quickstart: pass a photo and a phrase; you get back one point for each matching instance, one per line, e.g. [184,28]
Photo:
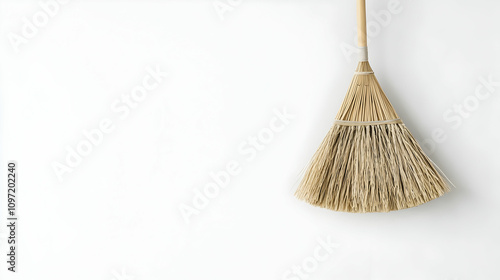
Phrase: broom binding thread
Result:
[363,53]
[354,123]
[363,73]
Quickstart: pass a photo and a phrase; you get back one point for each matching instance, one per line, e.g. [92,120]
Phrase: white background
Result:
[117,214]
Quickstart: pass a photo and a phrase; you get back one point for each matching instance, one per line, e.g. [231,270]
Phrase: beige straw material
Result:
[369,161]
[365,100]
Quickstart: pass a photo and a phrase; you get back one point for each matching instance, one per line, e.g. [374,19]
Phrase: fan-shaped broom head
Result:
[369,161]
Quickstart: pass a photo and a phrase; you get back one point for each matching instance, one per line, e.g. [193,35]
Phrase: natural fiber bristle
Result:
[365,100]
[369,167]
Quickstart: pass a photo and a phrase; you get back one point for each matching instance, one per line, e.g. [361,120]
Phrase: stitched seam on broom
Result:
[354,123]
[363,73]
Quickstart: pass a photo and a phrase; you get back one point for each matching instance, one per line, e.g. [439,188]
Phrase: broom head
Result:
[369,161]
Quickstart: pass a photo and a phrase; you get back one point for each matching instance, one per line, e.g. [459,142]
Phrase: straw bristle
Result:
[365,100]
[369,167]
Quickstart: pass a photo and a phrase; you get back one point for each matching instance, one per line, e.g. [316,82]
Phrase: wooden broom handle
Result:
[361,12]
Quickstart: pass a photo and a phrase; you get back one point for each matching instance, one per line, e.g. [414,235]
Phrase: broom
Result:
[369,161]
